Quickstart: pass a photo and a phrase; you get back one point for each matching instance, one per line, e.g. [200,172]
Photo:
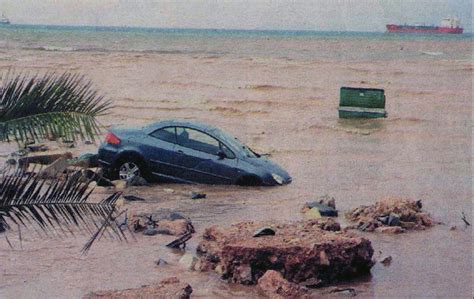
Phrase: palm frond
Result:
[32,108]
[56,207]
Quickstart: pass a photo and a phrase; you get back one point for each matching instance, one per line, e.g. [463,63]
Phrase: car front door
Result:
[161,152]
[197,156]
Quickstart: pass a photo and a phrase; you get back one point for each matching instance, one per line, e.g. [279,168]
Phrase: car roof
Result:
[191,124]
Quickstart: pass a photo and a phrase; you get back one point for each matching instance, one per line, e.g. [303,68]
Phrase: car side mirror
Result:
[221,155]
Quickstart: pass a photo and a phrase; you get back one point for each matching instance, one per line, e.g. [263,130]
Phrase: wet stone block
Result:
[300,251]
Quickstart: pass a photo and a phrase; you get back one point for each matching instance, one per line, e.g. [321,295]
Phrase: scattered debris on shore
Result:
[311,253]
[168,288]
[392,215]
[173,224]
[325,206]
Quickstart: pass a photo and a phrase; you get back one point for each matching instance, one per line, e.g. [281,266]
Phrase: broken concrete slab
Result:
[168,288]
[275,286]
[188,260]
[44,159]
[300,251]
[392,215]
[54,169]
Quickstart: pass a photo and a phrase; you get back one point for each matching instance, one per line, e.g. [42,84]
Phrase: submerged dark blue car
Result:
[186,152]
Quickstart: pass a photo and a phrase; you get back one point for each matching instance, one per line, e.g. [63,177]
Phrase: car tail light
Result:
[110,138]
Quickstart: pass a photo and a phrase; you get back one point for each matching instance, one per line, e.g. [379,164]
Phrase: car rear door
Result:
[197,157]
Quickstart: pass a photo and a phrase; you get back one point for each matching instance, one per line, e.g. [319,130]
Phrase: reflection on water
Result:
[361,126]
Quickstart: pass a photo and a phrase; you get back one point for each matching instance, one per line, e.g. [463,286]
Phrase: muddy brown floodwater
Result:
[286,108]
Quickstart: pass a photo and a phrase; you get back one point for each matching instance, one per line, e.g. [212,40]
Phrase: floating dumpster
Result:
[362,103]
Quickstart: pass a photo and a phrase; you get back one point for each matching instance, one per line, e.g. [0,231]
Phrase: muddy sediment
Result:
[422,150]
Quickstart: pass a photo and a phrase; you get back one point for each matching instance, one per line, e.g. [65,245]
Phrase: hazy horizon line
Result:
[190,28]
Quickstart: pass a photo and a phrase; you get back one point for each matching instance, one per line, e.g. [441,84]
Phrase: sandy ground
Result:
[287,108]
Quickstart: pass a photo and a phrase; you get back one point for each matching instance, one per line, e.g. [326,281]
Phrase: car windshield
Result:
[237,144]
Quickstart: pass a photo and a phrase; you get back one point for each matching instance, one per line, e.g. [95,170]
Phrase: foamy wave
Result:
[50,48]
[95,49]
[432,53]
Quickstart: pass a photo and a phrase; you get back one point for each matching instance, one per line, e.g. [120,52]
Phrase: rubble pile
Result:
[312,253]
[167,288]
[173,224]
[392,215]
[275,286]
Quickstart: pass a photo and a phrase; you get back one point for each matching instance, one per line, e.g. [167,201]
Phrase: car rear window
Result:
[165,134]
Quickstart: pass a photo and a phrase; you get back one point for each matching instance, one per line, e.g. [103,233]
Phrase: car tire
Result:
[131,166]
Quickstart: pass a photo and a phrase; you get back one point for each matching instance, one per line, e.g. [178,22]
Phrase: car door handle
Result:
[180,152]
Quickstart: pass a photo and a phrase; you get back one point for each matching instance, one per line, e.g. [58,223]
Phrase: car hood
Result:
[265,166]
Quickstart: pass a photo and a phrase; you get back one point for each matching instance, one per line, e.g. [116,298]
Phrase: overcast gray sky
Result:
[355,15]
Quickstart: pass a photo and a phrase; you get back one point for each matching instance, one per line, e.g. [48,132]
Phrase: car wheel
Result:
[129,169]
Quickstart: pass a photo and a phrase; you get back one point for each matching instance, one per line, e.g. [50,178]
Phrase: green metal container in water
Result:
[362,103]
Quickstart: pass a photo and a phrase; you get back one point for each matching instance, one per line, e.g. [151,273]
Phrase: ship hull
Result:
[422,29]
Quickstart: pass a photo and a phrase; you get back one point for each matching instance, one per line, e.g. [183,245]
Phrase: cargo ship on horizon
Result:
[448,25]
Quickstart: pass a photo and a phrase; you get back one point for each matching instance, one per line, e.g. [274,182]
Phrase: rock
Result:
[301,251]
[176,227]
[313,213]
[330,225]
[454,227]
[197,195]
[425,219]
[167,288]
[275,286]
[344,291]
[133,198]
[393,220]
[324,209]
[264,231]
[137,181]
[188,260]
[408,225]
[387,260]
[168,190]
[328,200]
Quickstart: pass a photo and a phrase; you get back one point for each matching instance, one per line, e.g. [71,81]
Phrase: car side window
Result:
[166,134]
[228,153]
[197,140]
